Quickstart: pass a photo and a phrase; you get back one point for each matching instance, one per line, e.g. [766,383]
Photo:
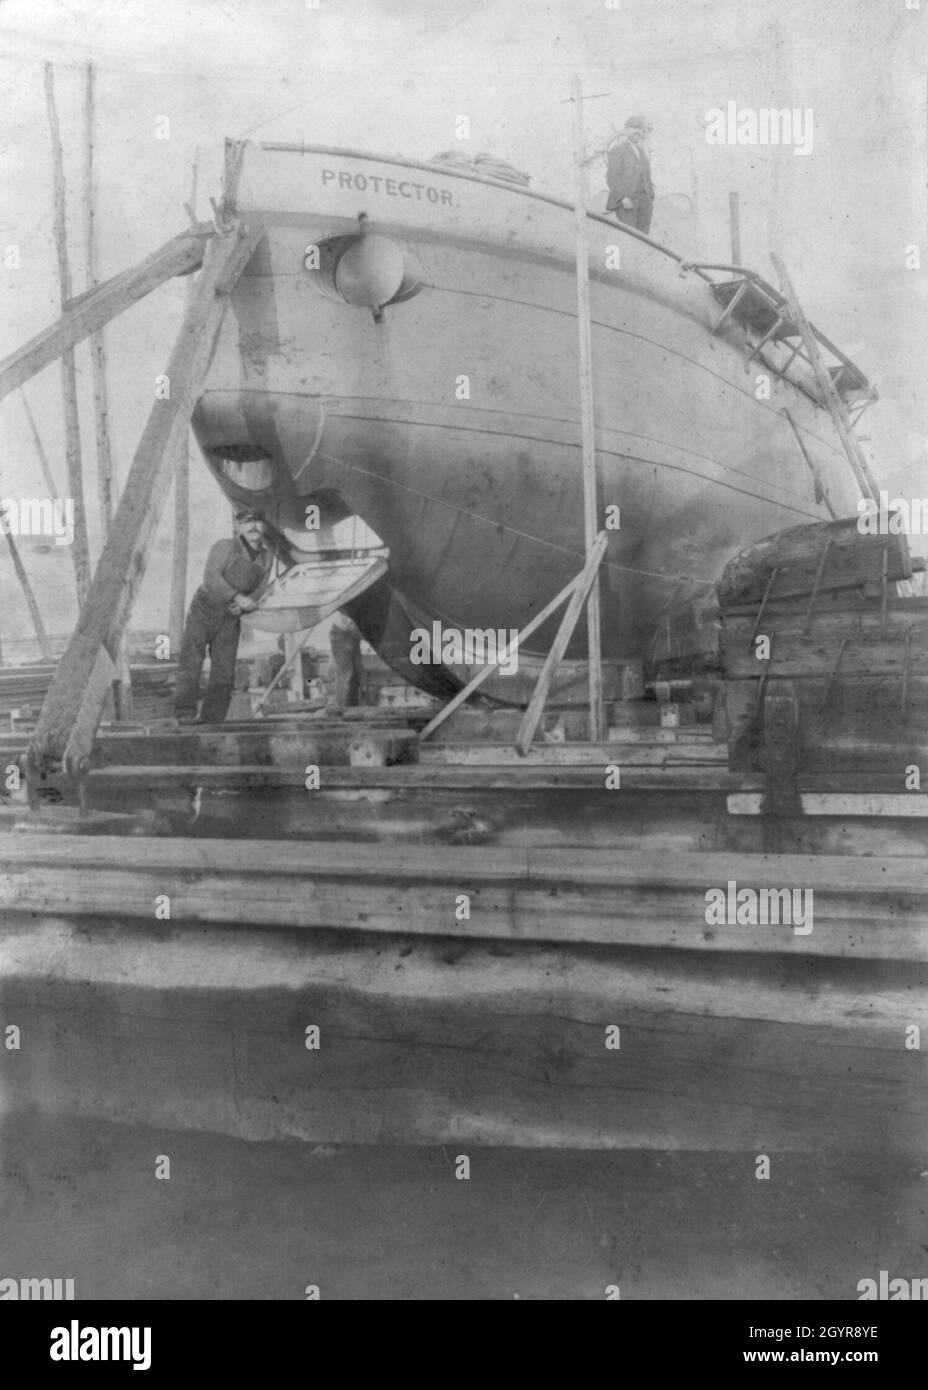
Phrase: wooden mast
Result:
[79,548]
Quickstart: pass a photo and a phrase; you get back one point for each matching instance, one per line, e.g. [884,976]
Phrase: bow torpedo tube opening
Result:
[367,269]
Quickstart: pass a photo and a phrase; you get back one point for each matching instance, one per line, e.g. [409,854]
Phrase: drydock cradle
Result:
[467,927]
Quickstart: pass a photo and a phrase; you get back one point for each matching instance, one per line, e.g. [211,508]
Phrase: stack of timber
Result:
[826,667]
[582,1001]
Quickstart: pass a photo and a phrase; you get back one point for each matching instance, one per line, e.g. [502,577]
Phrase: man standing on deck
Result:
[628,174]
[237,573]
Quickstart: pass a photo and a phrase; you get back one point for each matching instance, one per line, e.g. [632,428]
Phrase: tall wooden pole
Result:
[587,417]
[734,226]
[28,593]
[101,409]
[50,483]
[79,548]
[106,488]
[181,536]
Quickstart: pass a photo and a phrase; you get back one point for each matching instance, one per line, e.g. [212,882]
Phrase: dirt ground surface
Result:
[239,1220]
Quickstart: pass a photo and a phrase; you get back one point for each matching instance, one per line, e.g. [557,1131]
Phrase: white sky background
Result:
[392,76]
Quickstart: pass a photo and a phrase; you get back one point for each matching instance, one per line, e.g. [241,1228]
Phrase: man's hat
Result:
[249,514]
[637,123]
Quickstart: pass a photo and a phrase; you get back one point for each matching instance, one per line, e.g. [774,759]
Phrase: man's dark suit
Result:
[628,174]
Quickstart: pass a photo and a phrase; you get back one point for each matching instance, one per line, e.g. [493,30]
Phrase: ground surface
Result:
[239,1220]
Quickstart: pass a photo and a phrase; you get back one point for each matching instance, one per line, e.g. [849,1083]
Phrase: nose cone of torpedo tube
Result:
[371,271]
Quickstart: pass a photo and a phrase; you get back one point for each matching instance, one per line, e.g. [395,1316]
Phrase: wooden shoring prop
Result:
[466,691]
[69,718]
[88,312]
[583,589]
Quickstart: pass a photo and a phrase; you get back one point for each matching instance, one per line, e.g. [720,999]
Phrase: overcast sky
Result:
[392,76]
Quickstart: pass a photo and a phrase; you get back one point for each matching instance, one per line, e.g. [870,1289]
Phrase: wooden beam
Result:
[647,898]
[90,311]
[28,592]
[205,1031]
[80,553]
[582,590]
[591,518]
[66,727]
[855,454]
[466,691]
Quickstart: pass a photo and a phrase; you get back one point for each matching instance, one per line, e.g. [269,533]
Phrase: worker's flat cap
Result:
[249,514]
[637,123]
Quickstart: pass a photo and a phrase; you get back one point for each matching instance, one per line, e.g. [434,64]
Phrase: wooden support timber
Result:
[66,727]
[583,593]
[476,681]
[426,1041]
[88,312]
[576,897]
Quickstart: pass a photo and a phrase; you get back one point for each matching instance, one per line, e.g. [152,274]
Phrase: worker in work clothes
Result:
[238,571]
[628,174]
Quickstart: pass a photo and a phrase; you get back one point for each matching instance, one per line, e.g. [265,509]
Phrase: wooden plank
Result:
[905,805]
[66,727]
[795,553]
[812,656]
[861,908]
[655,751]
[206,1030]
[89,312]
[580,595]
[80,552]
[247,778]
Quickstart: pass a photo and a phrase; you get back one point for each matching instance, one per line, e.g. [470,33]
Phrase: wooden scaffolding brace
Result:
[577,592]
[64,734]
